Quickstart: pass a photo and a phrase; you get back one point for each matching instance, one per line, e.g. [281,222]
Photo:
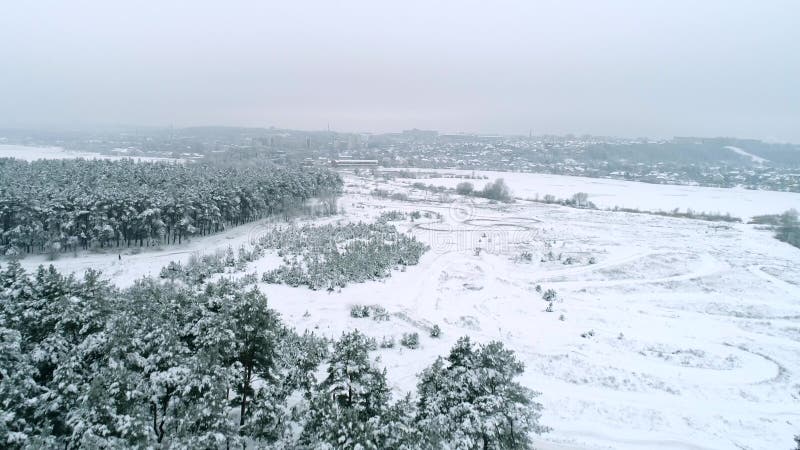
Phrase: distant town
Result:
[717,162]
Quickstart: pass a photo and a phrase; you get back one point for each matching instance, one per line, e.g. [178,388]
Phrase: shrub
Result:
[247,279]
[436,331]
[359,311]
[387,342]
[549,295]
[388,216]
[410,340]
[497,190]
[378,313]
[465,188]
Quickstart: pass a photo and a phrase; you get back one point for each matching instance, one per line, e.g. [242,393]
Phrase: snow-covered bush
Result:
[359,311]
[465,188]
[410,340]
[379,313]
[387,342]
[496,190]
[247,279]
[391,216]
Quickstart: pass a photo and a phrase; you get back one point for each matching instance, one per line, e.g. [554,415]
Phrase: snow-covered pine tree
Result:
[18,393]
[256,331]
[471,400]
[352,402]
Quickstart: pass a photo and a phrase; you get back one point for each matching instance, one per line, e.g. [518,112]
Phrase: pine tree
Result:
[471,401]
[256,330]
[18,393]
[349,406]
[399,429]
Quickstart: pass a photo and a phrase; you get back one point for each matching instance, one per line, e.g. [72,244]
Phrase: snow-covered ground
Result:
[607,193]
[755,158]
[29,153]
[695,335]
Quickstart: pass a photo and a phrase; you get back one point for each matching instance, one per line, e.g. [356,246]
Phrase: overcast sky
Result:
[627,67]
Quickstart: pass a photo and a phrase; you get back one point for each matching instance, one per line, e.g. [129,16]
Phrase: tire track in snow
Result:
[709,266]
[758,270]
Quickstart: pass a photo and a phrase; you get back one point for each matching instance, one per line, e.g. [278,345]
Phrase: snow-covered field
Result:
[606,193]
[29,153]
[695,326]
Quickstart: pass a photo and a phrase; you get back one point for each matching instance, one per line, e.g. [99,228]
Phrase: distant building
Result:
[421,135]
[354,163]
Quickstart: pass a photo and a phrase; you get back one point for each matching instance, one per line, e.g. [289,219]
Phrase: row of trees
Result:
[161,365]
[788,230]
[62,205]
[578,200]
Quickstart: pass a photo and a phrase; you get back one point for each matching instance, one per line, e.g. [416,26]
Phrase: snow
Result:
[754,158]
[606,193]
[695,346]
[29,153]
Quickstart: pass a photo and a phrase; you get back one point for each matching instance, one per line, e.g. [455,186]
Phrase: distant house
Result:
[354,163]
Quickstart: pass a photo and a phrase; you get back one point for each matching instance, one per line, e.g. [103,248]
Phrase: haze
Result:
[629,68]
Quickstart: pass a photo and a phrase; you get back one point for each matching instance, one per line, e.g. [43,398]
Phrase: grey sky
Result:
[627,67]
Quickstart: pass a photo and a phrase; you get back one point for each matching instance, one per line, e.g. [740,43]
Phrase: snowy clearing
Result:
[665,332]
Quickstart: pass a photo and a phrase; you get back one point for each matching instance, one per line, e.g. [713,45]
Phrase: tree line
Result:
[786,226]
[65,205]
[164,365]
